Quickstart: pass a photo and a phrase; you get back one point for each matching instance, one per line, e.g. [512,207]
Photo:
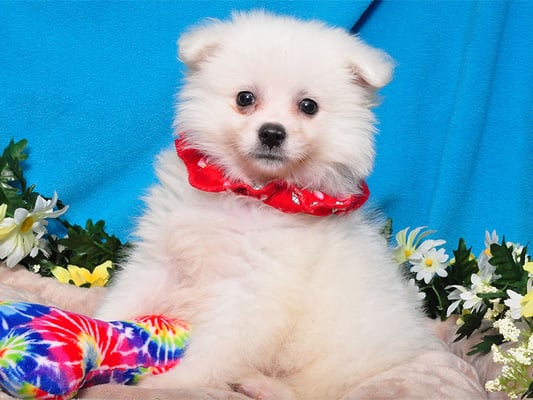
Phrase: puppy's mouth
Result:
[269,156]
[262,165]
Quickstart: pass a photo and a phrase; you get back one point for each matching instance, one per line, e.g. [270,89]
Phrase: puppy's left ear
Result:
[372,66]
[198,44]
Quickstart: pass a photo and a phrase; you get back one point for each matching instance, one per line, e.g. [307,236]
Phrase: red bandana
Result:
[278,194]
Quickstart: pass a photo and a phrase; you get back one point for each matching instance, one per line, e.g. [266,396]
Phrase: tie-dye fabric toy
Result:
[48,353]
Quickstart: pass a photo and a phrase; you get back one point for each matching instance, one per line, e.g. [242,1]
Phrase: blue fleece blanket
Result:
[91,85]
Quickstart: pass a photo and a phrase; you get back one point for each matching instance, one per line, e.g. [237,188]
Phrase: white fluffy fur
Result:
[286,306]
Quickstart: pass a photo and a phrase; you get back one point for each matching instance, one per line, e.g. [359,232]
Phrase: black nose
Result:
[272,135]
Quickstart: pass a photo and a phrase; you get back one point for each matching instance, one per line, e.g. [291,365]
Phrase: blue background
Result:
[91,85]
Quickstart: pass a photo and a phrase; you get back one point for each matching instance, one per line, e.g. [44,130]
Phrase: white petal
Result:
[426,234]
[412,236]
[439,242]
[7,228]
[39,228]
[34,251]
[401,237]
[40,205]
[491,238]
[452,307]
[17,254]
[7,246]
[27,240]
[57,213]
[425,247]
[20,215]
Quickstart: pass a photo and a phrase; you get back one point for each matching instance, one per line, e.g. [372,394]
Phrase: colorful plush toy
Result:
[48,353]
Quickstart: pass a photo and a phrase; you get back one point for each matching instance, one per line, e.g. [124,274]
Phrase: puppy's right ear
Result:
[198,44]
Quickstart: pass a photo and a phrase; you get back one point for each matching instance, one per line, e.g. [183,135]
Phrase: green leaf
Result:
[485,345]
[471,323]
[12,156]
[495,295]
[12,182]
[512,273]
[436,301]
[12,198]
[465,265]
[16,150]
[90,246]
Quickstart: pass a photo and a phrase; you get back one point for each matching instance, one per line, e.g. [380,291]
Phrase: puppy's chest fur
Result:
[277,277]
[248,252]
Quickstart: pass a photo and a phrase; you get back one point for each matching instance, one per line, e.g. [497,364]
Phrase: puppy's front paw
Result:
[264,388]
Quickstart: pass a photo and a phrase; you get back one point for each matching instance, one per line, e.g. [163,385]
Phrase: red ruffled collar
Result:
[278,194]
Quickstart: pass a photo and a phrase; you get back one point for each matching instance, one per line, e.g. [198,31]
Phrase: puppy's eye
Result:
[308,106]
[245,99]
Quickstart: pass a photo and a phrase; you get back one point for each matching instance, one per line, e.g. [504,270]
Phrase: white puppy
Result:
[275,126]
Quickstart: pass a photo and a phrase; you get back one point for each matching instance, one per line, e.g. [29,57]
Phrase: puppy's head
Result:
[270,97]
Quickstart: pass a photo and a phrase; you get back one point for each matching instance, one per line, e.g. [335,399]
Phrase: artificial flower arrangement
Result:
[85,256]
[492,293]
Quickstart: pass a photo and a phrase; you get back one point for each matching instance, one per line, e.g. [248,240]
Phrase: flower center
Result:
[27,224]
[408,253]
[429,262]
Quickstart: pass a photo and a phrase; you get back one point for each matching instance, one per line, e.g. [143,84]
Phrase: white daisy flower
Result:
[428,261]
[22,235]
[486,255]
[517,250]
[472,301]
[490,238]
[469,297]
[455,295]
[514,304]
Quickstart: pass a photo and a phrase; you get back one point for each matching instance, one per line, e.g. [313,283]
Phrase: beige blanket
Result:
[446,374]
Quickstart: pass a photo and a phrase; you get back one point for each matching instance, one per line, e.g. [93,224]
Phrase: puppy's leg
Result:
[209,361]
[253,385]
[264,388]
[227,343]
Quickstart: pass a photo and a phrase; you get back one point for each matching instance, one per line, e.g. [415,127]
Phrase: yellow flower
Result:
[527,305]
[82,276]
[61,274]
